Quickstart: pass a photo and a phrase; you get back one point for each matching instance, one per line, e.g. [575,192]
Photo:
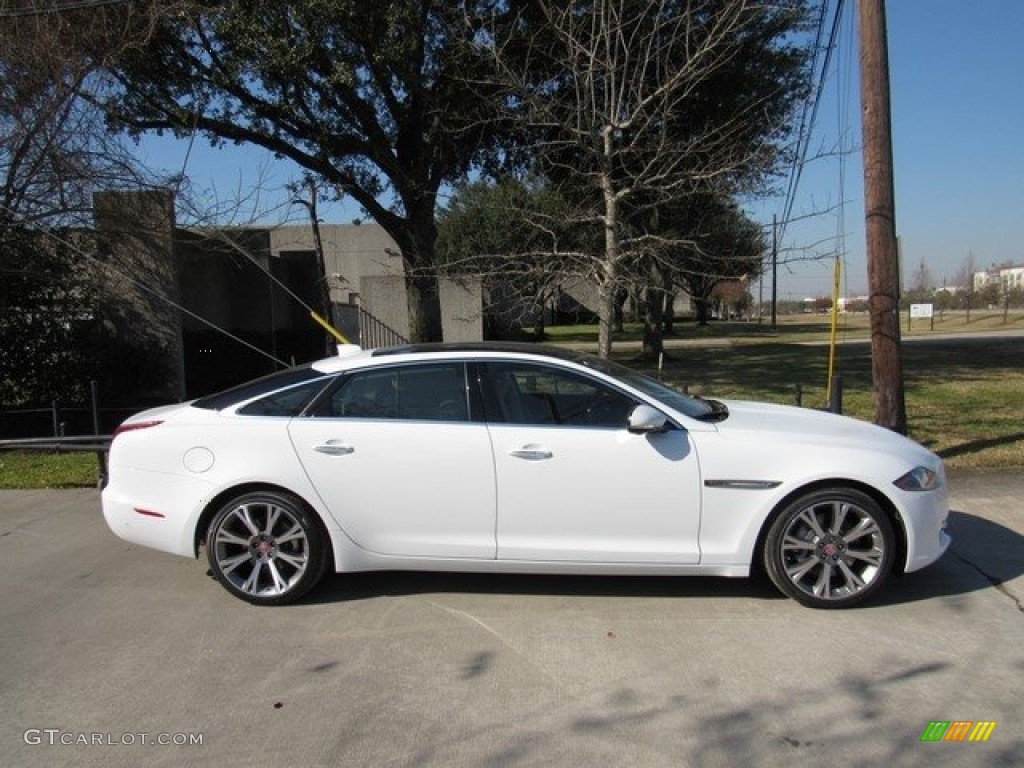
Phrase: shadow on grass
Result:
[976,446]
[779,367]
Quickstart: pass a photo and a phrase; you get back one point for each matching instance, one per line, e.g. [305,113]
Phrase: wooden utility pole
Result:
[880,218]
[775,268]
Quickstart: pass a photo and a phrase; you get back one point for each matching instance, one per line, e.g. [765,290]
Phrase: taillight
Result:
[131,427]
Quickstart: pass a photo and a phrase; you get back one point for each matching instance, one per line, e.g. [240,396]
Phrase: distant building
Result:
[1007,277]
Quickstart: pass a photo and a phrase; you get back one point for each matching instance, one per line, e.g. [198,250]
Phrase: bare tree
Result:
[965,279]
[629,105]
[55,149]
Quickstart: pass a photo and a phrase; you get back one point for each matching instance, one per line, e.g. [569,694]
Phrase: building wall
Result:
[223,276]
[135,233]
[351,252]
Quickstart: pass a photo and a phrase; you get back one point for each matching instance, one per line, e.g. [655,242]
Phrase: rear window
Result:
[264,386]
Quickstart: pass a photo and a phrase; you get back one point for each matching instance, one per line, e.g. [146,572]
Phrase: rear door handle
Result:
[334,448]
[531,453]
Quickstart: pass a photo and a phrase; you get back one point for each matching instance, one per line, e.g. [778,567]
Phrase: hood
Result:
[806,426]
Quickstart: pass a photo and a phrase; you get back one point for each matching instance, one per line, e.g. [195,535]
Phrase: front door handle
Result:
[531,453]
[334,448]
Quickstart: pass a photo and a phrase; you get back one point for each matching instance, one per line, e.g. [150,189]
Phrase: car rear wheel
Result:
[830,548]
[266,548]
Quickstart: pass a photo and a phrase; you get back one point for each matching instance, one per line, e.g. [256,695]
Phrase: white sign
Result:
[920,310]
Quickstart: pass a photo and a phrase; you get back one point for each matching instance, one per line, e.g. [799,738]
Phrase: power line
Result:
[156,294]
[60,7]
[809,117]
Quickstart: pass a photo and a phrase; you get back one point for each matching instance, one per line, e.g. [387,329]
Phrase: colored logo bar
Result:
[958,730]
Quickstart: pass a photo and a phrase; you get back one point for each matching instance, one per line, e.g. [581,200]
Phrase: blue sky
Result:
[957,80]
[957,86]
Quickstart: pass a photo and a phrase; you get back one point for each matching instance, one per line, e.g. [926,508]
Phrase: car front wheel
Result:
[266,548]
[830,548]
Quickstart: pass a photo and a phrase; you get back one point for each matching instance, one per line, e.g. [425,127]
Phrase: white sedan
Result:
[516,458]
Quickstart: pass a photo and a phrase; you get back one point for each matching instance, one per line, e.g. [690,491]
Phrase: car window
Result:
[435,392]
[522,393]
[288,402]
[250,389]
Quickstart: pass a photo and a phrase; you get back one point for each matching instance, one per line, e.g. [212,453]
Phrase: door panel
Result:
[598,495]
[574,484]
[402,470]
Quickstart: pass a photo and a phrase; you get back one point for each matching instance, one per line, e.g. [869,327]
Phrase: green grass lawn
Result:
[48,470]
[965,399]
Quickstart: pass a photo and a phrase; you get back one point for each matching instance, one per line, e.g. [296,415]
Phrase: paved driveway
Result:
[101,641]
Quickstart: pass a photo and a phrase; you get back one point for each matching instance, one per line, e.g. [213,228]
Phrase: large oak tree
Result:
[369,98]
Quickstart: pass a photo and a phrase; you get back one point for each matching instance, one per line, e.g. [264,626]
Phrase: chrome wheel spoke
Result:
[228,538]
[280,585]
[294,534]
[811,520]
[244,516]
[272,518]
[871,556]
[791,543]
[853,581]
[823,586]
[797,572]
[298,562]
[839,517]
[252,584]
[229,564]
[866,527]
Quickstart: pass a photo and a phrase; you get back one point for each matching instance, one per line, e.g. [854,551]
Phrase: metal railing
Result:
[62,444]
[375,333]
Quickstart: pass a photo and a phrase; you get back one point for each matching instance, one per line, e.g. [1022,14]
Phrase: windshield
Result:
[691,406]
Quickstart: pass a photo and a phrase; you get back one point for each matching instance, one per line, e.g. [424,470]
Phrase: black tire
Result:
[266,548]
[831,548]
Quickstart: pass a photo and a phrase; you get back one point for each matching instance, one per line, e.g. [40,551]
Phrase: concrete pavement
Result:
[101,641]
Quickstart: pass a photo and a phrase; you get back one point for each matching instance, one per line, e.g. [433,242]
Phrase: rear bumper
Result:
[154,509]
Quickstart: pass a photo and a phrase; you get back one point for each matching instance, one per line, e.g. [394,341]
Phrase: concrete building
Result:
[1008,278]
[219,306]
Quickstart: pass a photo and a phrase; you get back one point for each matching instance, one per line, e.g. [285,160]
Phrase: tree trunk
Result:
[703,307]
[605,312]
[417,241]
[668,318]
[621,296]
[653,344]
[608,291]
[424,303]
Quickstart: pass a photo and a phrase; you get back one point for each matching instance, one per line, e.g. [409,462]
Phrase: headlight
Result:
[918,479]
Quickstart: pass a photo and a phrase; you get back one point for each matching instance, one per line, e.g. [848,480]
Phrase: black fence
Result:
[57,421]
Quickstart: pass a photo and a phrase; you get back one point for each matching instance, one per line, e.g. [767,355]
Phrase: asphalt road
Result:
[101,641]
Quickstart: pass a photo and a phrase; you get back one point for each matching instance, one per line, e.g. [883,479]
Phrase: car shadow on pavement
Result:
[362,586]
[984,555]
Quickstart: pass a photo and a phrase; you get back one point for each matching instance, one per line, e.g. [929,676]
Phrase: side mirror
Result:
[646,420]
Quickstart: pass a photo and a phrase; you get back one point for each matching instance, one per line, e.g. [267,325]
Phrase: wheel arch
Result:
[883,501]
[212,507]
